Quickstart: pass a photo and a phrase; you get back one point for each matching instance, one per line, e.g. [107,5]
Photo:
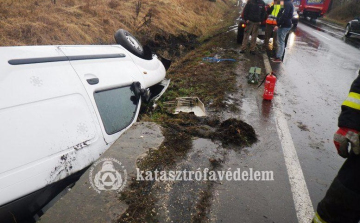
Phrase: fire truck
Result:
[312,8]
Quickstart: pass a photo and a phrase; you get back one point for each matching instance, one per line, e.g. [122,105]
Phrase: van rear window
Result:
[117,108]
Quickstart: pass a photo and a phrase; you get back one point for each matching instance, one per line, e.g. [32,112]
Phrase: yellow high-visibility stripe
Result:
[351,104]
[354,95]
[318,219]
[353,101]
[276,10]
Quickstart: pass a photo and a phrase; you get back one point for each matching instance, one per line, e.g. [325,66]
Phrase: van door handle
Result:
[93,81]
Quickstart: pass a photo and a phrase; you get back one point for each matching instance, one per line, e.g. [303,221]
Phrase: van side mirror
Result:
[136,88]
[140,92]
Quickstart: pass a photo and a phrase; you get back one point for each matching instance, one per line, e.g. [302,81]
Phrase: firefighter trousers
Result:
[342,200]
[269,32]
[252,29]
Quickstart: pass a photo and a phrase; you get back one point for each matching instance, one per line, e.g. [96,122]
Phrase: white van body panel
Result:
[50,124]
[45,115]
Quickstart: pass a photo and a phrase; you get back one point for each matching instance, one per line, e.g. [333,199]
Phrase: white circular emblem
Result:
[107,174]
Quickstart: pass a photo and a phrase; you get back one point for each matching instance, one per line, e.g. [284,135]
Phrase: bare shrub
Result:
[137,12]
[146,20]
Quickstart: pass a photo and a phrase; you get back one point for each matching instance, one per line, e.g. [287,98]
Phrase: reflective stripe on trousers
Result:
[352,101]
[318,219]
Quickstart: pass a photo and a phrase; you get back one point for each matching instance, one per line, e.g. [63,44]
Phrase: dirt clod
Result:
[236,132]
[303,127]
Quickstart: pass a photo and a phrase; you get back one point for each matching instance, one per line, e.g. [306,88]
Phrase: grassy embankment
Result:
[40,22]
[341,15]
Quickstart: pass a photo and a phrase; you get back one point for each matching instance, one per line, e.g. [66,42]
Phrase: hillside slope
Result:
[40,22]
[344,13]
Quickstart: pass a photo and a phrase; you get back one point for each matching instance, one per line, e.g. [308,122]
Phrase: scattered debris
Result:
[216,60]
[230,132]
[302,127]
[202,207]
[215,162]
[187,105]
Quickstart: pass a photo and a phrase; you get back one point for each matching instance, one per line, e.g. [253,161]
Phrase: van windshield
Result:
[117,108]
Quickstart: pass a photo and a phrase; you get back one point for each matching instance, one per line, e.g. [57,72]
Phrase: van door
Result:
[46,119]
[107,74]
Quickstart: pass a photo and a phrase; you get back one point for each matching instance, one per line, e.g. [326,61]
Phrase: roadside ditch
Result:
[192,142]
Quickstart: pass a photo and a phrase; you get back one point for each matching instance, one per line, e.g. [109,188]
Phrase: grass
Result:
[334,21]
[191,76]
[36,22]
[344,13]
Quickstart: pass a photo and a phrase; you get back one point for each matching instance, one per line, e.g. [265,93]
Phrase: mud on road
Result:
[191,142]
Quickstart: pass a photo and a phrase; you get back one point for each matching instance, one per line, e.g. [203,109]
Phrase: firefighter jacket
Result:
[272,12]
[254,11]
[285,15]
[350,109]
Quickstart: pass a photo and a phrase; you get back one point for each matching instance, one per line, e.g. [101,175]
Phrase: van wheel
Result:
[129,42]
[240,36]
[347,30]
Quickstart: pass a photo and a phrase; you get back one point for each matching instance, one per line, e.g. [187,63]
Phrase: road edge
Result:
[301,197]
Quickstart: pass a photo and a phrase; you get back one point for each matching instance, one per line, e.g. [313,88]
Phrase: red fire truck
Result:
[312,8]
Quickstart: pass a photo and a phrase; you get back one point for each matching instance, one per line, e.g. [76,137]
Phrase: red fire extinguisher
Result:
[269,86]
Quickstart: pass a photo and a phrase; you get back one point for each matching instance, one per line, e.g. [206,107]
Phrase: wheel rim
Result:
[134,42]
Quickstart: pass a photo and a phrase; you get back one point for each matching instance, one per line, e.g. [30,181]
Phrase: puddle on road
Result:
[246,108]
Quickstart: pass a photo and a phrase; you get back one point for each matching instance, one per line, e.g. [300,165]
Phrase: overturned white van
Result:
[61,107]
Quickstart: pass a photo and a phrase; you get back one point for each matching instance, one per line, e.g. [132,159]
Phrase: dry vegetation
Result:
[42,22]
[343,13]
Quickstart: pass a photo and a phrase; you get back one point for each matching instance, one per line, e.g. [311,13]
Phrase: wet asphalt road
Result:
[316,75]
[333,30]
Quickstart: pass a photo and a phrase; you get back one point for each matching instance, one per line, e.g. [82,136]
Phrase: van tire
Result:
[129,42]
